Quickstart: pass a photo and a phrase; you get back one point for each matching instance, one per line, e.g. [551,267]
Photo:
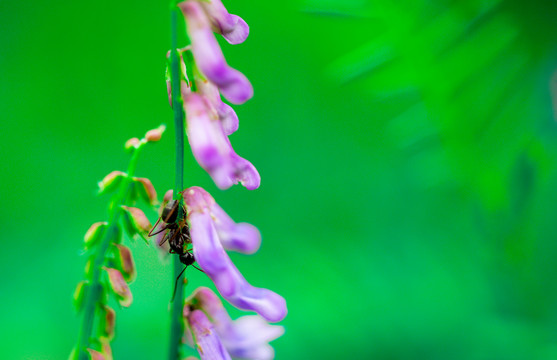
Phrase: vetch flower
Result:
[226,114]
[247,337]
[212,149]
[205,337]
[232,27]
[212,230]
[234,86]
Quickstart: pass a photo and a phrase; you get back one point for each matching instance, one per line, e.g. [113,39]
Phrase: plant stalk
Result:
[177,322]
[94,289]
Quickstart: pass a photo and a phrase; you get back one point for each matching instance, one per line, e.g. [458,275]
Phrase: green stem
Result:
[95,288]
[177,323]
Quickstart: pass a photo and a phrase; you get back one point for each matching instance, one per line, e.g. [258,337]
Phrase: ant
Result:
[178,235]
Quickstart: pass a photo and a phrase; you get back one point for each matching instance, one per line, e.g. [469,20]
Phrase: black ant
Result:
[178,235]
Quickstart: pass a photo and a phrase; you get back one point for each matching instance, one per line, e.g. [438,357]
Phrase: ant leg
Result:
[176,284]
[164,239]
[198,269]
[171,238]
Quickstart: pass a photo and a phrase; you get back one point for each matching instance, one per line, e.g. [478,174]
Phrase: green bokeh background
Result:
[407,151]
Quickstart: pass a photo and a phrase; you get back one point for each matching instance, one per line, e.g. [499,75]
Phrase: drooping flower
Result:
[212,231]
[247,337]
[212,149]
[232,27]
[233,85]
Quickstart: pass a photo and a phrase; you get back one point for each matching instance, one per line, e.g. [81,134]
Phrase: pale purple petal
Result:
[211,148]
[226,114]
[246,337]
[209,145]
[250,336]
[244,172]
[212,258]
[233,85]
[209,302]
[206,339]
[234,29]
[241,237]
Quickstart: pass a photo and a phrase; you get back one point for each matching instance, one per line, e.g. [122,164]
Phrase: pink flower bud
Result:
[126,263]
[93,235]
[108,321]
[95,355]
[146,190]
[111,181]
[131,143]
[135,222]
[155,134]
[120,287]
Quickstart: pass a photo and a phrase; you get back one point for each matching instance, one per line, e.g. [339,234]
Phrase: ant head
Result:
[187,259]
[170,212]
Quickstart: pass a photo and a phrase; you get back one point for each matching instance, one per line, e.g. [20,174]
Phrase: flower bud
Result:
[95,355]
[131,144]
[119,287]
[126,263]
[155,134]
[145,190]
[111,182]
[108,321]
[94,234]
[136,223]
[79,294]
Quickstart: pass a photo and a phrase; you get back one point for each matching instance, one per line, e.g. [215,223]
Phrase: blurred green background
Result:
[407,150]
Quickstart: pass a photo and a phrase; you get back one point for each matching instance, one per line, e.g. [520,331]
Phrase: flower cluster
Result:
[209,120]
[205,75]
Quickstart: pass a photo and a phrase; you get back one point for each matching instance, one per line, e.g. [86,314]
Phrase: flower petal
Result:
[249,338]
[206,339]
[246,337]
[233,85]
[227,115]
[211,148]
[234,29]
[212,258]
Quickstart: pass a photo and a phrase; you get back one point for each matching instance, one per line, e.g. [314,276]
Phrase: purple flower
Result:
[206,339]
[226,114]
[247,337]
[233,85]
[211,147]
[211,231]
[232,27]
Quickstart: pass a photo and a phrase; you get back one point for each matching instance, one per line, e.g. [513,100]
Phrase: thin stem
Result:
[95,288]
[177,323]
